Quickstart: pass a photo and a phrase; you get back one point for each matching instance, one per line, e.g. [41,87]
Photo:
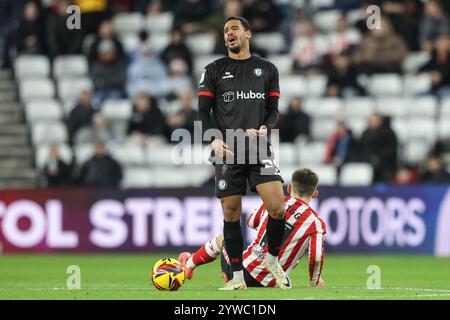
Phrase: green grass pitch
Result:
[128,277]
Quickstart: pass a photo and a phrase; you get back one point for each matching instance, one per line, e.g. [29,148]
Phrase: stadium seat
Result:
[359,106]
[417,84]
[354,15]
[414,60]
[416,151]
[401,129]
[272,42]
[322,128]
[83,152]
[164,155]
[137,177]
[385,85]
[69,89]
[316,85]
[130,41]
[324,107]
[200,63]
[128,22]
[287,154]
[41,154]
[422,128]
[445,108]
[292,86]
[31,66]
[197,175]
[171,177]
[159,41]
[423,106]
[129,154]
[356,175]
[283,62]
[327,174]
[311,153]
[444,129]
[201,43]
[117,109]
[393,106]
[326,20]
[160,23]
[286,172]
[43,110]
[70,66]
[357,125]
[36,89]
[48,133]
[317,4]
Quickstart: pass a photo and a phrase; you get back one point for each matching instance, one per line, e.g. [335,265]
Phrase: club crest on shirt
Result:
[258,72]
[222,184]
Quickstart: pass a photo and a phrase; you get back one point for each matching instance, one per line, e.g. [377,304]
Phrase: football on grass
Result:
[168,275]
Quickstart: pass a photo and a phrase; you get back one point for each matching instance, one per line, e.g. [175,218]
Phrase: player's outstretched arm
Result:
[316,255]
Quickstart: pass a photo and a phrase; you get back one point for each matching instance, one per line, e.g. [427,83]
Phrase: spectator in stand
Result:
[342,80]
[439,67]
[185,117]
[344,38]
[99,130]
[382,50]
[101,170]
[379,147]
[60,39]
[308,49]
[341,146]
[93,12]
[144,40]
[405,175]
[147,119]
[147,73]
[178,80]
[105,32]
[295,122]
[57,173]
[435,172]
[263,15]
[109,73]
[30,35]
[177,49]
[188,12]
[82,114]
[435,23]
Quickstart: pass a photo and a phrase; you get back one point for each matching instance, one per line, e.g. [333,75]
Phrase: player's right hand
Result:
[320,283]
[221,148]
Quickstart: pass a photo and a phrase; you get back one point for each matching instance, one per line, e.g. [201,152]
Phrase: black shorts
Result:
[226,268]
[231,179]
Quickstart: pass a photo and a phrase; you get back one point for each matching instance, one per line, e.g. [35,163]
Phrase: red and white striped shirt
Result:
[304,229]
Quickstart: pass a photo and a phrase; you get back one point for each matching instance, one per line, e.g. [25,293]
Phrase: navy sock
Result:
[275,232]
[234,243]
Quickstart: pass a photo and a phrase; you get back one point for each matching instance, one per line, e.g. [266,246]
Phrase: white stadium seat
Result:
[414,60]
[117,109]
[272,42]
[322,128]
[416,151]
[423,106]
[43,110]
[393,106]
[65,152]
[201,43]
[287,154]
[293,86]
[359,106]
[417,84]
[445,108]
[128,22]
[31,66]
[69,89]
[83,152]
[129,154]
[356,175]
[160,23]
[201,62]
[326,20]
[49,133]
[130,41]
[422,128]
[385,84]
[444,129]
[327,174]
[283,62]
[36,89]
[197,175]
[159,41]
[286,172]
[70,66]
[163,155]
[401,129]
[171,177]
[316,85]
[137,177]
[356,124]
[311,153]
[324,107]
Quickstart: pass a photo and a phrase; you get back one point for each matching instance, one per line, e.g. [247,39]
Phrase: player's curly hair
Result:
[304,182]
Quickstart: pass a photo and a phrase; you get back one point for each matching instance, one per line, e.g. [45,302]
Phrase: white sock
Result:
[238,275]
[271,259]
[190,264]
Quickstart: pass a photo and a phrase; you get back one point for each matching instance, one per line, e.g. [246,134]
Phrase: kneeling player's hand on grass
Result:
[320,283]
[221,148]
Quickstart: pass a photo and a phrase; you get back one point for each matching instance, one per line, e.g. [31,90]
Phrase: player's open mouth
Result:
[231,40]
